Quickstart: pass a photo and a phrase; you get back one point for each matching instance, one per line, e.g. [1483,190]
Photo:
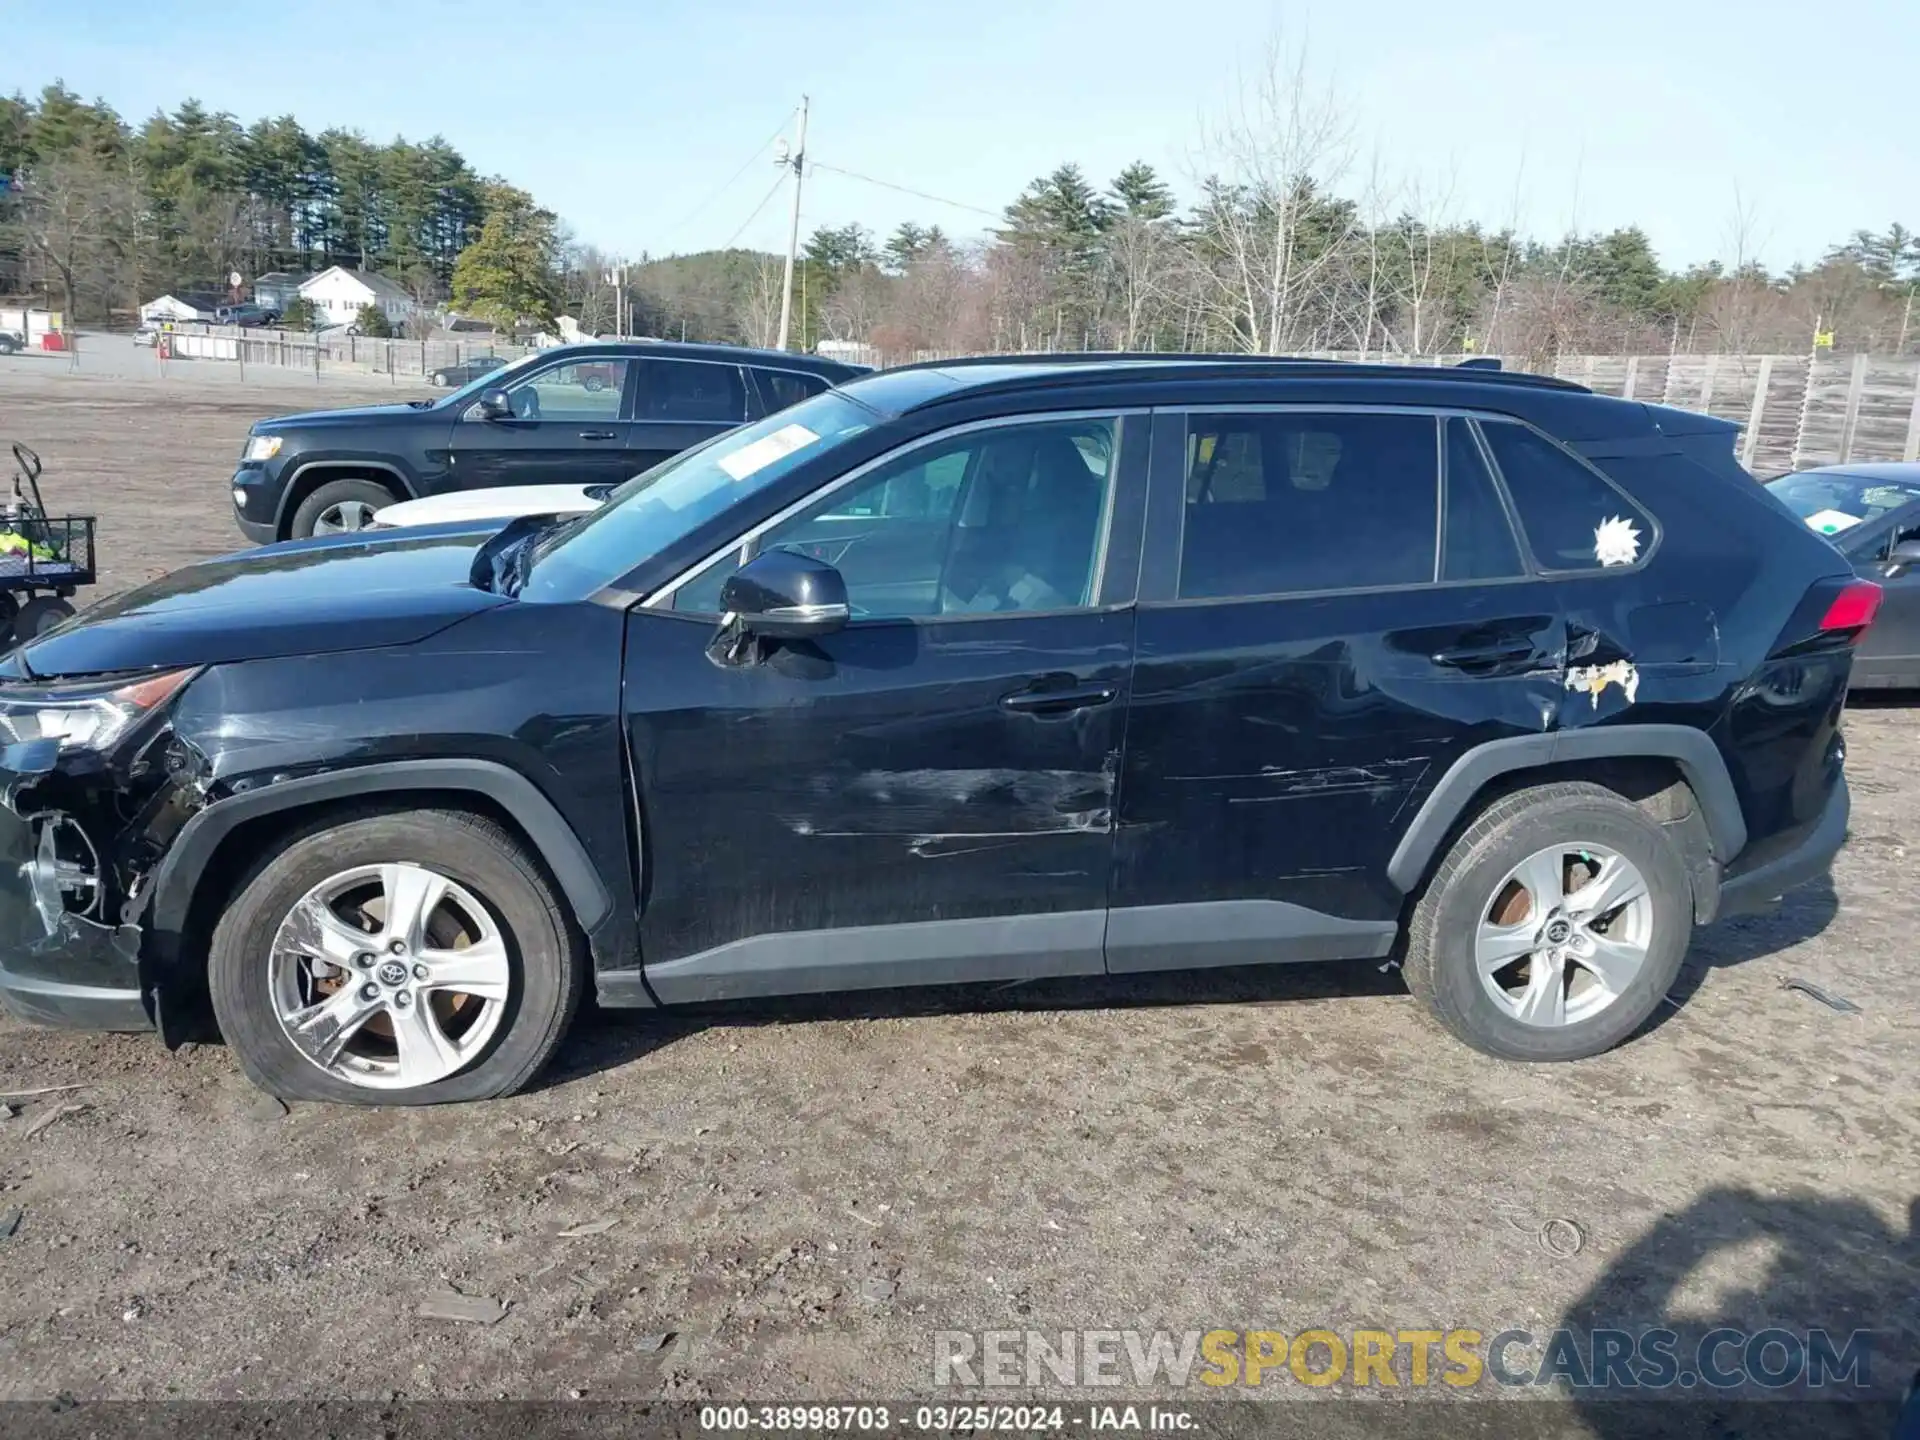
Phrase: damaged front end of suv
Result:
[93,788]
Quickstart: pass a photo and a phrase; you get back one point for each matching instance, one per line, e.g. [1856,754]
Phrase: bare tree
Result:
[857,304]
[591,294]
[1266,235]
[214,236]
[1422,259]
[757,310]
[931,304]
[74,218]
[1143,255]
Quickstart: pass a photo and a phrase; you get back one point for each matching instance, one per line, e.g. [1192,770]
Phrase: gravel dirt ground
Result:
[802,1194]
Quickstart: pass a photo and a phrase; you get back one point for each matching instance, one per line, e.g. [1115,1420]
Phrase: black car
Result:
[970,672]
[10,341]
[576,413]
[467,371]
[1871,513]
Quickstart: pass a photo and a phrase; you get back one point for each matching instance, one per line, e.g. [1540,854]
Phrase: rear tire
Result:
[1478,906]
[507,1038]
[339,506]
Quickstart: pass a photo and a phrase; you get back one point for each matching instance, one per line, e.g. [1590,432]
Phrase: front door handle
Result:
[597,435]
[1057,702]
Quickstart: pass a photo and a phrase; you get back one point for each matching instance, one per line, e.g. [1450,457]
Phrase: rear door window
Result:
[1286,502]
[781,388]
[1573,518]
[690,390]
[1476,539]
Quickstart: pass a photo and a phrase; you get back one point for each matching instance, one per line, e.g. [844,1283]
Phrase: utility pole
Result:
[798,161]
[622,310]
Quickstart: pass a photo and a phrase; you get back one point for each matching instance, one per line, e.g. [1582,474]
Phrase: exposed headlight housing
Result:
[262,447]
[82,717]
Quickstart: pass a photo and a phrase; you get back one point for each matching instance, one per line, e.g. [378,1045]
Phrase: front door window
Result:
[578,390]
[1003,519]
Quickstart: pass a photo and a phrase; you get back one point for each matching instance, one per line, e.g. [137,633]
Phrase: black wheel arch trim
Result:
[290,486]
[178,875]
[1699,759]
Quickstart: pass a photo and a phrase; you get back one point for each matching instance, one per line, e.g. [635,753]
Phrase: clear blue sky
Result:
[626,117]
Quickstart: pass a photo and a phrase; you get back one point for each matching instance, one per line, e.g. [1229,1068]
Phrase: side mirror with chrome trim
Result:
[783,595]
[494,404]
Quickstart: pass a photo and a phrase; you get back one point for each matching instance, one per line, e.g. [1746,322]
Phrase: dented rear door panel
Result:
[1277,748]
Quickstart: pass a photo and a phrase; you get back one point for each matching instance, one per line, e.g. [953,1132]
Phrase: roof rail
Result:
[1071,367]
[1108,357]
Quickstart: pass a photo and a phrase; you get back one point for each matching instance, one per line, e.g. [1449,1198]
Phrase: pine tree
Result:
[509,274]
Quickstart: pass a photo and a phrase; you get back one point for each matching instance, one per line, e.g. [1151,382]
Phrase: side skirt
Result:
[1237,932]
[1017,947]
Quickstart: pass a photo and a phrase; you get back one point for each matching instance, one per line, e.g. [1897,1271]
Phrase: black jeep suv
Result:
[970,672]
[583,414]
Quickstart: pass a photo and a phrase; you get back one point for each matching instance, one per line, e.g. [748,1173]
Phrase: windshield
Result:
[1831,502]
[663,506]
[502,376]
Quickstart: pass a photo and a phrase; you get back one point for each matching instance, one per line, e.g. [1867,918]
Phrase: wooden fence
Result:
[1793,411]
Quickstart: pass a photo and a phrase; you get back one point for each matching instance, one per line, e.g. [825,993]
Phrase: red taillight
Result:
[1853,608]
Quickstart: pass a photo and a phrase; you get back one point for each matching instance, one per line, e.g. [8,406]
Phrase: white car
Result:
[502,503]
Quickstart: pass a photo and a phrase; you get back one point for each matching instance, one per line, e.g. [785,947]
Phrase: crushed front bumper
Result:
[56,968]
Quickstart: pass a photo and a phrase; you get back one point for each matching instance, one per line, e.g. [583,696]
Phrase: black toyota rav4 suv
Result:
[971,672]
[583,414]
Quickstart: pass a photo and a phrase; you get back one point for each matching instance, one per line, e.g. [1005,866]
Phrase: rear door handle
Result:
[1057,702]
[597,435]
[1488,656]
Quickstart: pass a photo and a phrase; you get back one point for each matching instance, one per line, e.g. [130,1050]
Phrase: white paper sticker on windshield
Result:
[767,449]
[1831,522]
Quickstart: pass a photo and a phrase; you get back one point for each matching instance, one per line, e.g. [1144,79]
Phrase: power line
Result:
[700,209]
[756,213]
[906,190]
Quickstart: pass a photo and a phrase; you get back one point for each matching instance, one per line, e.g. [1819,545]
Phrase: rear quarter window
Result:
[1574,518]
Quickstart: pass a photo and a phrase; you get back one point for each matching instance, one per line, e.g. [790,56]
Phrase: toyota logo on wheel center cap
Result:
[392,972]
[1558,932]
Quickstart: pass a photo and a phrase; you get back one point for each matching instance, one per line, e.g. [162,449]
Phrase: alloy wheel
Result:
[347,515]
[1564,935]
[390,976]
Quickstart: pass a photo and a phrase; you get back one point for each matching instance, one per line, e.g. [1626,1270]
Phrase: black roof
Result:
[1010,383]
[725,354]
[981,373]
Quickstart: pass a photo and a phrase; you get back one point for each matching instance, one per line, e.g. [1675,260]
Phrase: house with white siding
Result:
[183,307]
[337,294]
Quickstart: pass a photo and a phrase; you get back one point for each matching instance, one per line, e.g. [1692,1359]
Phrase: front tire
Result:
[415,958]
[339,506]
[1513,952]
